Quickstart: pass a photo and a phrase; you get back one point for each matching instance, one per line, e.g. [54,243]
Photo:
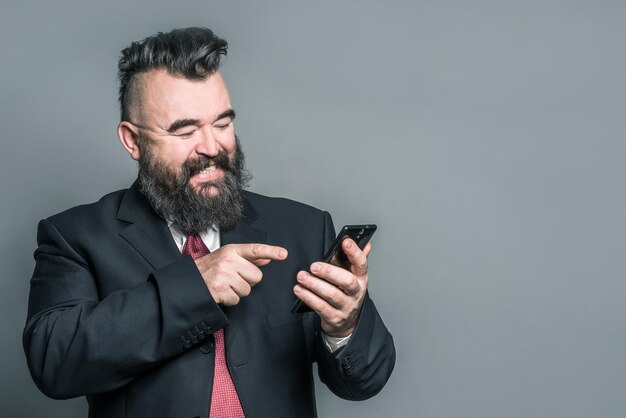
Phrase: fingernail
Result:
[349,244]
[315,267]
[282,253]
[301,276]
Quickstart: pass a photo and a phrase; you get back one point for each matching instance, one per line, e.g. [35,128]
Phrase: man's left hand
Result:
[334,293]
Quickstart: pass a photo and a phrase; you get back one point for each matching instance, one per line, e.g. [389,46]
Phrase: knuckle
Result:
[350,289]
[342,314]
[246,289]
[232,300]
[221,277]
[336,300]
[362,265]
[227,255]
[323,311]
[354,309]
[332,298]
[218,287]
[345,285]
[256,250]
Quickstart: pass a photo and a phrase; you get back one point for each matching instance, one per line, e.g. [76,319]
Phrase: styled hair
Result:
[193,53]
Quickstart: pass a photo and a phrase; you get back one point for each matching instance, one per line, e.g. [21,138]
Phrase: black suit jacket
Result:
[117,314]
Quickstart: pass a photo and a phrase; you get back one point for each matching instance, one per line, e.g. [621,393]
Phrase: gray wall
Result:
[486,138]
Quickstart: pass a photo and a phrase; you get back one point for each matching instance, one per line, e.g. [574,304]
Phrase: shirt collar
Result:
[180,237]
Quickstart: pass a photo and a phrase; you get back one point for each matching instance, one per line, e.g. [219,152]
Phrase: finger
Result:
[241,287]
[258,251]
[323,289]
[230,298]
[334,322]
[338,276]
[261,262]
[367,249]
[357,258]
[315,302]
[250,273]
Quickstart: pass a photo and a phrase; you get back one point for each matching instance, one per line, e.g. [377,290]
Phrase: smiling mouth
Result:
[208,170]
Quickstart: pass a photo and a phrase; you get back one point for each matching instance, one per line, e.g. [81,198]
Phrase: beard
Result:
[194,211]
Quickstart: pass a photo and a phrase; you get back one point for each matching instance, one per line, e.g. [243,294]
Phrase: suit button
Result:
[187,344]
[206,348]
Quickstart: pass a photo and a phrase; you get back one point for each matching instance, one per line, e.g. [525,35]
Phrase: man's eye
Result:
[222,126]
[184,134]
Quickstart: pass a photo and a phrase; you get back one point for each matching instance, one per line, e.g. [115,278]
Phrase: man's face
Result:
[191,167]
[184,121]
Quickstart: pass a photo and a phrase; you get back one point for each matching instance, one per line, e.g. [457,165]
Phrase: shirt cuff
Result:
[335,343]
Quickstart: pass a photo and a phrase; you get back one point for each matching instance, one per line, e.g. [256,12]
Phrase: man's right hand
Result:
[232,270]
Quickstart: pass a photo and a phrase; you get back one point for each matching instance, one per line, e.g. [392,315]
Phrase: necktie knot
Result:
[195,247]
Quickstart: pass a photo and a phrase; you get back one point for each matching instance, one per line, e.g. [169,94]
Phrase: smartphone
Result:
[361,234]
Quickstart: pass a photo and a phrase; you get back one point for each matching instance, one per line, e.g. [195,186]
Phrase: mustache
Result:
[193,167]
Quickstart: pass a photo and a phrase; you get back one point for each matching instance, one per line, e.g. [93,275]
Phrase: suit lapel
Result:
[147,232]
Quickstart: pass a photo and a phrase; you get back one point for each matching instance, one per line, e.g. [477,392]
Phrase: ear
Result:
[129,137]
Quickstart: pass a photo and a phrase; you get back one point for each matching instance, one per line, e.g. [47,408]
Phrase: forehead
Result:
[165,98]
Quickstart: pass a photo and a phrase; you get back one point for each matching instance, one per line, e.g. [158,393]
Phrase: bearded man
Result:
[119,315]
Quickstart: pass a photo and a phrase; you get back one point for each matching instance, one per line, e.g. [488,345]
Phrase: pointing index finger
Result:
[256,251]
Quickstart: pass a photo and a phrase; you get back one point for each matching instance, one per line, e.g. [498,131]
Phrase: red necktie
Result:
[224,400]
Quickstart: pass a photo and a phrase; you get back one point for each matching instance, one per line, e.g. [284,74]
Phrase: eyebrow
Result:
[230,113]
[183,123]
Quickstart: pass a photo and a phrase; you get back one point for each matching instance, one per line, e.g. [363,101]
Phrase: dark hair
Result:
[193,53]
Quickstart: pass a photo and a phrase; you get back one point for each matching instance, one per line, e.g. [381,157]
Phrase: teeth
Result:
[208,169]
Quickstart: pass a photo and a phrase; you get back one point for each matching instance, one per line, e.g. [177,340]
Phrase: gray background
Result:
[486,139]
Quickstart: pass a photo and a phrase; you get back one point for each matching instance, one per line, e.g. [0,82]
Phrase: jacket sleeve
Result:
[360,369]
[77,343]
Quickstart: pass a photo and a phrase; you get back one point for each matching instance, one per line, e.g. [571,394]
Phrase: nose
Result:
[207,142]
